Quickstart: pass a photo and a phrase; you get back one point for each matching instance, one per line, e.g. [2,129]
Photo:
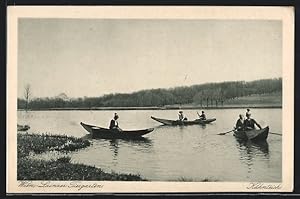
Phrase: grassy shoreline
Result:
[61,168]
[269,100]
[158,108]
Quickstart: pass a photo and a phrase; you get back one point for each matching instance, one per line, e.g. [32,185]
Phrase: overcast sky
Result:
[92,57]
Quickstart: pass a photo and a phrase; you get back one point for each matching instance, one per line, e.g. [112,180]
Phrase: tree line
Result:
[209,94]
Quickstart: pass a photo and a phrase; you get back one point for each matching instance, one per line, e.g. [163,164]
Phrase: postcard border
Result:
[286,14]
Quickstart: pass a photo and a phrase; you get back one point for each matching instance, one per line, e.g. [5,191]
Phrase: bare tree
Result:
[27,95]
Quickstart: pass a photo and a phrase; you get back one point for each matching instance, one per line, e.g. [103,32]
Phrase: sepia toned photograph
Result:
[150,99]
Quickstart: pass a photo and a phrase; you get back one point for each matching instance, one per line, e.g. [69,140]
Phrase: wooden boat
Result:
[98,132]
[260,134]
[184,122]
[23,127]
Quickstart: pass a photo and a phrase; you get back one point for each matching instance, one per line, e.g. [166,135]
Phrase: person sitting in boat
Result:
[248,111]
[114,123]
[250,123]
[181,116]
[202,116]
[240,123]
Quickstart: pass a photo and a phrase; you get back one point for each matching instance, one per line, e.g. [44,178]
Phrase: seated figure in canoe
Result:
[250,123]
[239,126]
[181,116]
[114,125]
[248,111]
[202,116]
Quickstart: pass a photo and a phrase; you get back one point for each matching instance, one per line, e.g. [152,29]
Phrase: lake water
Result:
[191,153]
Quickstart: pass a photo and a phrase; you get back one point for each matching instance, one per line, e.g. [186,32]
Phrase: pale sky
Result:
[93,57]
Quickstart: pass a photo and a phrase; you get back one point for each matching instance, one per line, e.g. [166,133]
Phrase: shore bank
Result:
[184,107]
[61,168]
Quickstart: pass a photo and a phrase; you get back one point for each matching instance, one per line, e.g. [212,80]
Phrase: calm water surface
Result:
[192,153]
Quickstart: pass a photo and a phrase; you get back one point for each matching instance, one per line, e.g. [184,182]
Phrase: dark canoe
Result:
[261,134]
[185,122]
[99,132]
[23,127]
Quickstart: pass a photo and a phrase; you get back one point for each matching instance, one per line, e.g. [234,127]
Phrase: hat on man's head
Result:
[116,116]
[180,112]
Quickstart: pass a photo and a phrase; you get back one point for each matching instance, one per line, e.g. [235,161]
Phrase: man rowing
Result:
[250,123]
[202,116]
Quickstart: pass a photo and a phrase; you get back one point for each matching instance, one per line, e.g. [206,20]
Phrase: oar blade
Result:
[225,132]
[275,133]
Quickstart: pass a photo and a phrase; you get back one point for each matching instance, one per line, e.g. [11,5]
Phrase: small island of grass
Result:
[61,168]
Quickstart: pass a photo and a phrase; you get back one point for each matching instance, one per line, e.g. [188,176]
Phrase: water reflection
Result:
[251,152]
[140,144]
[114,147]
[87,137]
[253,148]
[203,126]
[181,128]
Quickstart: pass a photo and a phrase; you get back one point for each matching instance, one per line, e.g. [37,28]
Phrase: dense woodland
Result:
[209,94]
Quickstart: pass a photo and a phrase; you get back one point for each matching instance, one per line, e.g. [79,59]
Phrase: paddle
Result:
[200,116]
[225,132]
[275,133]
